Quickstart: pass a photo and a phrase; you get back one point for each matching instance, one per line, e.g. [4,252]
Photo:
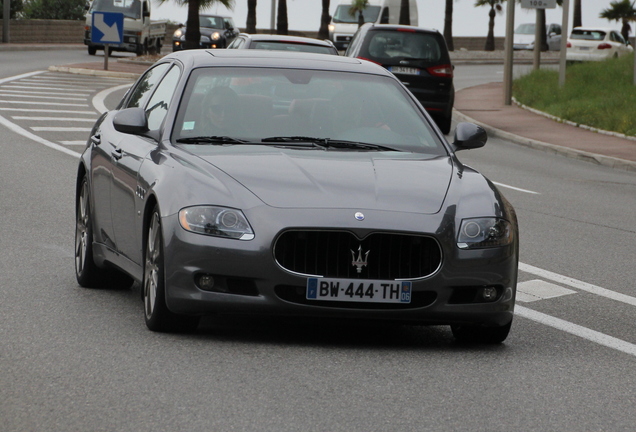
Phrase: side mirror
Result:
[469,136]
[131,121]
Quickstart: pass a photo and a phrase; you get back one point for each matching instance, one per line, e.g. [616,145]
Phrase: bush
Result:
[54,9]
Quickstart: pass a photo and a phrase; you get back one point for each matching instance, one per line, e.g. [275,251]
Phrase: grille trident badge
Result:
[359,262]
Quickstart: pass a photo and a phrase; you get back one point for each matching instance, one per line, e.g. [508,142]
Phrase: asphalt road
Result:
[73,359]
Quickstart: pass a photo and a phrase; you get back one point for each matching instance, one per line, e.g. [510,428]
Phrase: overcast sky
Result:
[467,19]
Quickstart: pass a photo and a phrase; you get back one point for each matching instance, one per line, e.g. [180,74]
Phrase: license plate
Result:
[355,290]
[584,48]
[405,70]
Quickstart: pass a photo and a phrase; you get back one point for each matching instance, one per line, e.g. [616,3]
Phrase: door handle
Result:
[117,153]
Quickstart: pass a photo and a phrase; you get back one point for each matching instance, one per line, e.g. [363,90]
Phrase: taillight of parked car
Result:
[442,71]
[604,46]
[569,45]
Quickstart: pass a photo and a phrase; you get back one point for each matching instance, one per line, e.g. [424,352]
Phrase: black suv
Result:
[418,57]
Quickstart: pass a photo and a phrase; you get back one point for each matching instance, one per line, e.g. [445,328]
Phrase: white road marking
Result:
[73,142]
[17,77]
[25,92]
[90,120]
[516,188]
[59,129]
[41,97]
[42,103]
[535,290]
[577,330]
[577,284]
[98,99]
[46,110]
[17,129]
[75,88]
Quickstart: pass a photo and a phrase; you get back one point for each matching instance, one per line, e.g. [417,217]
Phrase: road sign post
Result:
[107,28]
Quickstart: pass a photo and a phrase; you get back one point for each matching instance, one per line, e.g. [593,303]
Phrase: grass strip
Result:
[598,94]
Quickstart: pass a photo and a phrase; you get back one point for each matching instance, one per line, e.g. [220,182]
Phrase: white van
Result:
[343,25]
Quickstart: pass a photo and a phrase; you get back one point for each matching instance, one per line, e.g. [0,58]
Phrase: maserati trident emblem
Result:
[359,216]
[359,262]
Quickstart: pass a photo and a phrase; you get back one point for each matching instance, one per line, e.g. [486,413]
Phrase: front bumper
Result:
[249,281]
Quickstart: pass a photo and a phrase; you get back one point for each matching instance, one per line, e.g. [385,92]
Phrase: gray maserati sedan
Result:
[291,184]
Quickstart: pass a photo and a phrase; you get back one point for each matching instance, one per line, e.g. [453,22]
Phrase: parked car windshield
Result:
[291,46]
[342,15]
[527,29]
[594,35]
[253,104]
[130,8]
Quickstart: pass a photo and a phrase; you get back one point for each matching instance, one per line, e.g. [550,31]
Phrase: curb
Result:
[597,159]
[93,72]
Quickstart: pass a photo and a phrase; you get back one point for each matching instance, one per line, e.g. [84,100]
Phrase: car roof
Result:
[279,59]
[286,38]
[401,27]
[605,29]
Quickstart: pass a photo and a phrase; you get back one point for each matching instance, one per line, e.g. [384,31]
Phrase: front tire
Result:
[481,334]
[157,315]
[92,50]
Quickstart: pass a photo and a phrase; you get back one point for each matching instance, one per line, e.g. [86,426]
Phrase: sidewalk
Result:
[483,105]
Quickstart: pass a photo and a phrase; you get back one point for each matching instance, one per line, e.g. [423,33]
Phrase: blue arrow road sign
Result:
[108,27]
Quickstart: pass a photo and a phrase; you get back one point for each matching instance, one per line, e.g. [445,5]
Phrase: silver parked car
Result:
[291,184]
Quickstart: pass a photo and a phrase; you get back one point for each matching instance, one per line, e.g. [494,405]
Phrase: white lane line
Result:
[17,129]
[577,284]
[74,88]
[577,330]
[99,98]
[535,290]
[42,103]
[90,120]
[59,129]
[54,111]
[27,92]
[517,189]
[17,77]
[42,97]
[73,142]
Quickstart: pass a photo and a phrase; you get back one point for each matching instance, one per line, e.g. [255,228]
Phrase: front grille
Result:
[332,254]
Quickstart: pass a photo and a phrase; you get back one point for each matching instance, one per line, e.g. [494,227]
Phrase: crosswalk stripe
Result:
[42,103]
[59,129]
[38,110]
[54,119]
[40,97]
[4,90]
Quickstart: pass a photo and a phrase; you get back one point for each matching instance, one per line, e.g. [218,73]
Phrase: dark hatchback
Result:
[283,43]
[216,32]
[418,57]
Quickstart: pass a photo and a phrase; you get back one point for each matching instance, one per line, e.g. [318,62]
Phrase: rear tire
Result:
[444,124]
[92,50]
[481,334]
[157,315]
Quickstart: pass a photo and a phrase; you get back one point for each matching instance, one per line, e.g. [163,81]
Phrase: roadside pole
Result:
[6,18]
[510,28]
[538,29]
[564,42]
[107,28]
[106,55]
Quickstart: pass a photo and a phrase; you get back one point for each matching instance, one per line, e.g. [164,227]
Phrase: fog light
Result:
[206,282]
[489,293]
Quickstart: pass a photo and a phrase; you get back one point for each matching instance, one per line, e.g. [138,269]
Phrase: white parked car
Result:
[587,43]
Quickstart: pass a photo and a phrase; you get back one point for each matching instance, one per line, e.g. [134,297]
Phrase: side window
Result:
[145,86]
[157,108]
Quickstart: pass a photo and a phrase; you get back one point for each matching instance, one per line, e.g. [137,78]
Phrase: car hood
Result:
[361,180]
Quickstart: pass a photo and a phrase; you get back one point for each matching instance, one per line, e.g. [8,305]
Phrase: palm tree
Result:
[448,25]
[325,19]
[281,18]
[405,12]
[621,10]
[250,24]
[495,6]
[193,33]
[358,6]
[576,18]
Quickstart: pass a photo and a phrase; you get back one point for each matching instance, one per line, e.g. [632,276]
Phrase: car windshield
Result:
[526,29]
[291,46]
[392,44]
[593,35]
[130,8]
[257,104]
[211,22]
[342,15]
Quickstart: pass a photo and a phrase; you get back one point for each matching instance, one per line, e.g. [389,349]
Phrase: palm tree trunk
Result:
[325,18]
[576,19]
[193,33]
[448,25]
[250,24]
[544,41]
[490,39]
[405,12]
[281,18]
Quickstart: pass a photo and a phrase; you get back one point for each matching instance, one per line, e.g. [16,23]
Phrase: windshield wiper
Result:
[328,143]
[211,140]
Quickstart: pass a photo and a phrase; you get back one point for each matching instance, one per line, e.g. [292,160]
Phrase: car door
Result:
[127,154]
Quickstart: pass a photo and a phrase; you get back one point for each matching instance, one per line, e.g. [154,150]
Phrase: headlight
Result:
[484,233]
[178,33]
[216,36]
[216,221]
[332,27]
